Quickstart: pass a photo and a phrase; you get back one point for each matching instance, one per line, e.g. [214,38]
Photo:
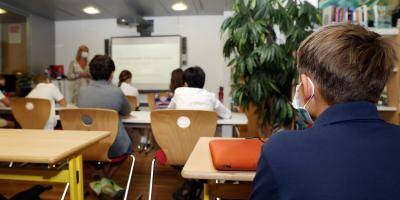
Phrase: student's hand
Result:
[6,101]
[126,116]
[62,103]
[236,109]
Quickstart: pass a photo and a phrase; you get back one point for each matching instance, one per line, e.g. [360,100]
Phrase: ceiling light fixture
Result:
[179,6]
[91,10]
[2,11]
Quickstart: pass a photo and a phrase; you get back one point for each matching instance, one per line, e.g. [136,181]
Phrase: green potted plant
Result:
[263,66]
[24,84]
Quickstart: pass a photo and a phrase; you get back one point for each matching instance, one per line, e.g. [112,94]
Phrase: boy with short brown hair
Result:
[350,152]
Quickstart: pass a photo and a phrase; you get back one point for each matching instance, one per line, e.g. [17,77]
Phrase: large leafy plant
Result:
[263,66]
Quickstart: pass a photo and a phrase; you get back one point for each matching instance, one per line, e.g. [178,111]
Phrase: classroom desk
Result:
[47,147]
[7,110]
[200,166]
[142,119]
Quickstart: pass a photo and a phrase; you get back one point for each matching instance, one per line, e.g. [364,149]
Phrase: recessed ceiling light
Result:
[91,10]
[2,11]
[179,6]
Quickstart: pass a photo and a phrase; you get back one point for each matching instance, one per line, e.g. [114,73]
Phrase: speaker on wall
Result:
[107,47]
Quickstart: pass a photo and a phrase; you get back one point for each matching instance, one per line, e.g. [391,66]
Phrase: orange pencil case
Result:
[235,155]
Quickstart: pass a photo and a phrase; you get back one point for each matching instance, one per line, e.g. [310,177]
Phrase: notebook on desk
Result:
[235,155]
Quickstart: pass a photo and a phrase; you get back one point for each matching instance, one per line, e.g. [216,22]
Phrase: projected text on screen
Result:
[150,60]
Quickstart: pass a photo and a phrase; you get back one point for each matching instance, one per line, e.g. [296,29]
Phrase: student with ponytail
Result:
[125,83]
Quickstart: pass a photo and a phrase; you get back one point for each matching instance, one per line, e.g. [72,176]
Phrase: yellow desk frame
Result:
[73,175]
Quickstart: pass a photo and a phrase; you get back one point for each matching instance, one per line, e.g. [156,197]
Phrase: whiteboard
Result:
[150,59]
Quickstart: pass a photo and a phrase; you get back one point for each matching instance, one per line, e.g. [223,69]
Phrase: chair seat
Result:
[160,157]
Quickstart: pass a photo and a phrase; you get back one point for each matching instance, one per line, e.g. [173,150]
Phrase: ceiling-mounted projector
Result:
[144,27]
[129,21]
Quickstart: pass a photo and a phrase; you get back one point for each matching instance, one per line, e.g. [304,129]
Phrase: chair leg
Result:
[129,178]
[65,191]
[153,165]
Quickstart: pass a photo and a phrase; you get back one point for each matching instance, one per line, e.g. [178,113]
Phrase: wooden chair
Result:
[151,97]
[95,120]
[31,113]
[133,101]
[177,132]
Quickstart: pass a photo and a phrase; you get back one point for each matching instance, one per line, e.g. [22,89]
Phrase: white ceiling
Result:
[72,9]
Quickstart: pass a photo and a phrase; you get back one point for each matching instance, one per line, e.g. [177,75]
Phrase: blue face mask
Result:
[304,115]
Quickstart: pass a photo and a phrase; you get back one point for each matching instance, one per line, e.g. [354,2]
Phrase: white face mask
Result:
[304,114]
[84,54]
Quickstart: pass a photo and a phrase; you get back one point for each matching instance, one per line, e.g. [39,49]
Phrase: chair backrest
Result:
[177,131]
[89,119]
[133,101]
[151,99]
[31,113]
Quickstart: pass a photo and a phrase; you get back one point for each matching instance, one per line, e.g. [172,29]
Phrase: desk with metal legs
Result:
[200,166]
[47,147]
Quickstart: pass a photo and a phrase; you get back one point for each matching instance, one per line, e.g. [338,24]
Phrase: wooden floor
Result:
[167,180]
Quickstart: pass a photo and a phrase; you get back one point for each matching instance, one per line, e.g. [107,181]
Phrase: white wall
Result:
[202,32]
[41,43]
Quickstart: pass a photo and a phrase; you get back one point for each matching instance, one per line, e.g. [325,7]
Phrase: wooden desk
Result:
[47,147]
[200,166]
[7,110]
[140,119]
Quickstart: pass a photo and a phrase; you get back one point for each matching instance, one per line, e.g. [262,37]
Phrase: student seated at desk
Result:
[194,97]
[125,83]
[349,152]
[44,89]
[100,93]
[3,122]
[3,99]
[176,80]
[163,99]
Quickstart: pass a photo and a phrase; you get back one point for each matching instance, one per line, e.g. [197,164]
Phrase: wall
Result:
[202,32]
[41,43]
[14,54]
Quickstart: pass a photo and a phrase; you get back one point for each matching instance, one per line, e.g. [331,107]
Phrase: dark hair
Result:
[39,78]
[348,62]
[101,67]
[176,79]
[123,76]
[194,77]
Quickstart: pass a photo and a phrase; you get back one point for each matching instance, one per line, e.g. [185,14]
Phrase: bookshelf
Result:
[386,31]
[386,109]
[391,111]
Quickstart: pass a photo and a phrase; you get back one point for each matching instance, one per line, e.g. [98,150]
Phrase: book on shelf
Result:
[333,14]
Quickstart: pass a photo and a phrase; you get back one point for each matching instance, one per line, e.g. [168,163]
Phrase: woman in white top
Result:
[44,89]
[125,83]
[78,71]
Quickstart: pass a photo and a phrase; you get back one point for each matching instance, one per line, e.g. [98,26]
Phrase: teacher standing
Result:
[78,71]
